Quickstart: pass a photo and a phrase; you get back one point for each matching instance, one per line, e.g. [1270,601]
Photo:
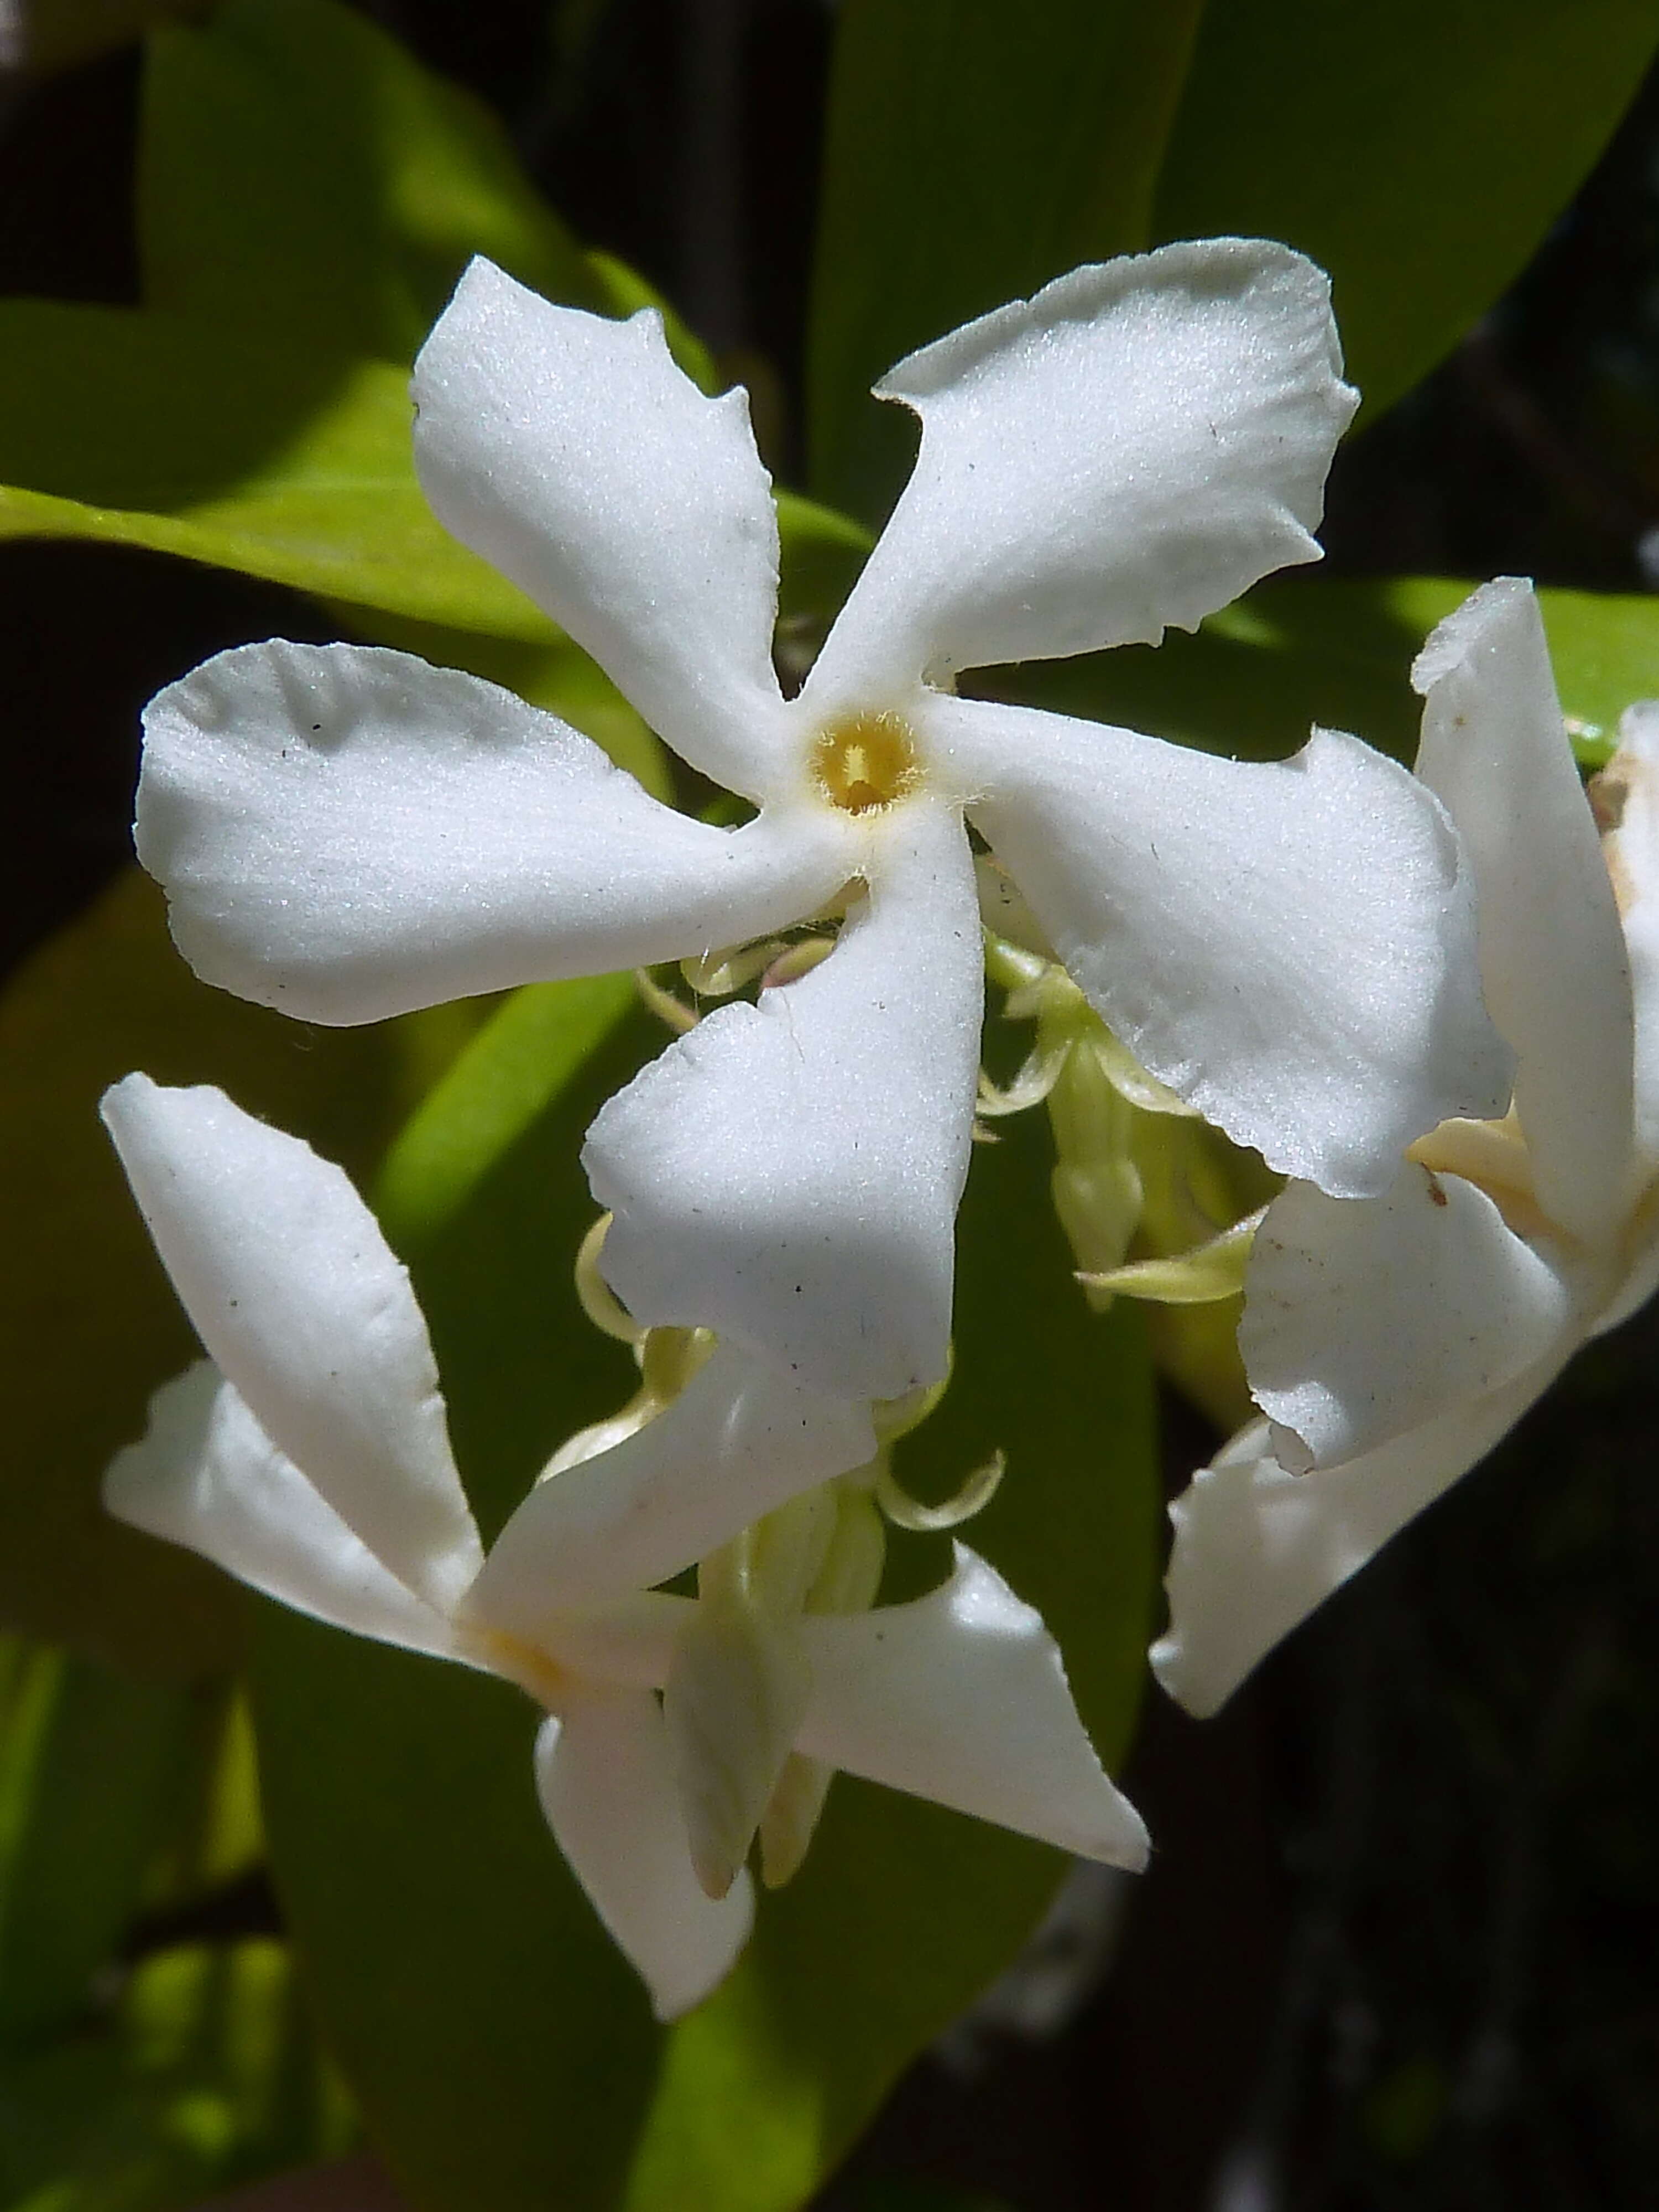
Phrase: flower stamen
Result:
[866,762]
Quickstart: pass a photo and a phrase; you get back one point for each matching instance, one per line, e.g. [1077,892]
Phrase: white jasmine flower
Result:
[1391,1341]
[347,834]
[311,1457]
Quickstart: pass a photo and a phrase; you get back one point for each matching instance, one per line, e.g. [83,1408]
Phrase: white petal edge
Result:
[345,833]
[742,1437]
[1631,784]
[961,1696]
[1367,1317]
[602,1776]
[297,1297]
[1257,1549]
[1128,450]
[206,1475]
[576,458]
[1553,965]
[788,1173]
[1287,945]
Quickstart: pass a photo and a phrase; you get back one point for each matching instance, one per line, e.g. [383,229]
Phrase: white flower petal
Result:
[297,1297]
[345,833]
[1256,1549]
[207,1475]
[961,1696]
[1631,788]
[1366,1317]
[787,1173]
[1289,945]
[572,454]
[1132,448]
[603,1774]
[741,1438]
[1553,960]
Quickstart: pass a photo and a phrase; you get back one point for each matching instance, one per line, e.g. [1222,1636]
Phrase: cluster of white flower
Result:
[1289,949]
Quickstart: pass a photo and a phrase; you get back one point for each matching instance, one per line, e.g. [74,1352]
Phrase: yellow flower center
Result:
[866,762]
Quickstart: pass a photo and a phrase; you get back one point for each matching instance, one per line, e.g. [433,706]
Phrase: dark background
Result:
[1399,1945]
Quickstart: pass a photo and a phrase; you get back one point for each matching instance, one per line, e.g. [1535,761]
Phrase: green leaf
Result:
[973,150]
[1418,149]
[503,2051]
[89,1324]
[301,175]
[90,1760]
[307,197]
[206,2076]
[1256,677]
[149,431]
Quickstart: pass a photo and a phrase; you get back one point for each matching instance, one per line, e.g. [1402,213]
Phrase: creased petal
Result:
[1289,945]
[961,1696]
[603,1775]
[345,833]
[1629,791]
[1132,448]
[572,454]
[207,1475]
[297,1297]
[1366,1317]
[787,1173]
[741,1438]
[1256,1549]
[1553,960]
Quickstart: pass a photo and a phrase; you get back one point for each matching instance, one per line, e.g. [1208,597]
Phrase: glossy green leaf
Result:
[307,196]
[1418,149]
[973,150]
[301,174]
[1259,674]
[89,1325]
[503,2053]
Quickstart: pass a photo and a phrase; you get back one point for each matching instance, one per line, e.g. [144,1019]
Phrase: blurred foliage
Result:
[138,2069]
[39,36]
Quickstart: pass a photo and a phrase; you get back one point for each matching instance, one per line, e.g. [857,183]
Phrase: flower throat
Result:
[866,762]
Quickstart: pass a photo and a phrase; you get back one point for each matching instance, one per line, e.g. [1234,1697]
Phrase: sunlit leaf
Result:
[503,2050]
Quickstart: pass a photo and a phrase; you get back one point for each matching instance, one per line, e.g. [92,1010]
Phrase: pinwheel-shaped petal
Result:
[309,1455]
[1393,1341]
[344,834]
